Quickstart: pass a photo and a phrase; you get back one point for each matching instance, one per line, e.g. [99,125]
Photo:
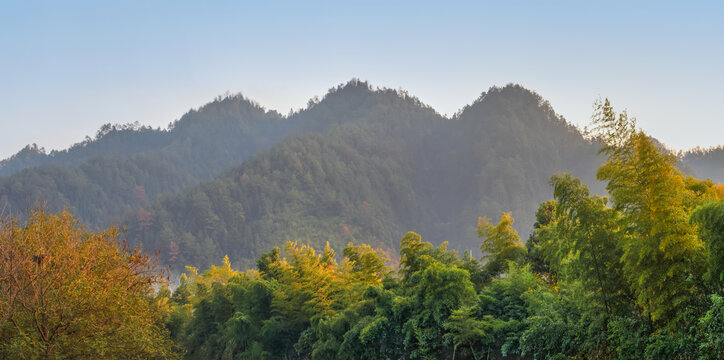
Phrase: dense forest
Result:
[637,274]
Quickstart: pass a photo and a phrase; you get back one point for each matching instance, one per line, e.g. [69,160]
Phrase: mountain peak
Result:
[509,91]
[359,101]
[352,88]
[225,103]
[511,97]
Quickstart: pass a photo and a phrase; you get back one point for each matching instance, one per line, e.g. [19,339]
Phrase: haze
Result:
[69,68]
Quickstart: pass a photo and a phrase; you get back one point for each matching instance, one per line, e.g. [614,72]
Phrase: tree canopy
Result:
[69,293]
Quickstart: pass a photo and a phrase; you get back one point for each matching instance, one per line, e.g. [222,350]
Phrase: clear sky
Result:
[67,67]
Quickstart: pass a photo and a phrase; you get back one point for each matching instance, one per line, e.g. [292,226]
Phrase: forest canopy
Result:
[639,275]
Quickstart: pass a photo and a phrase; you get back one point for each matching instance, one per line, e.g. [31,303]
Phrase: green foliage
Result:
[582,242]
[502,304]
[711,328]
[710,218]
[570,293]
[439,290]
[307,306]
[501,245]
[536,256]
[636,277]
[273,312]
[661,251]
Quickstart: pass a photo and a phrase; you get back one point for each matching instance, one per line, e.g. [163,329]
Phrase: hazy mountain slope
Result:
[399,167]
[125,166]
[109,140]
[312,188]
[497,156]
[706,163]
[362,164]
[354,181]
[101,188]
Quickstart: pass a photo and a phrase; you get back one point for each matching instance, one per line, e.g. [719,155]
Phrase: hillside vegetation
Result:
[399,166]
[126,168]
[639,275]
[360,164]
[312,222]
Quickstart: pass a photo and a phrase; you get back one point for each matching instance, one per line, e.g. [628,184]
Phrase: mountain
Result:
[360,164]
[398,166]
[109,140]
[126,167]
[705,163]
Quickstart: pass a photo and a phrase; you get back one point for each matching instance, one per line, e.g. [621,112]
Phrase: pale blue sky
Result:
[67,67]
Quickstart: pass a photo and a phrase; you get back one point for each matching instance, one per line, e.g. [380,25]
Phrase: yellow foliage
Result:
[69,293]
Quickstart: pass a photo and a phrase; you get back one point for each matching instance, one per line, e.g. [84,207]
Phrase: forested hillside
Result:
[639,275]
[127,167]
[359,164]
[705,163]
[398,166]
[313,221]
[109,140]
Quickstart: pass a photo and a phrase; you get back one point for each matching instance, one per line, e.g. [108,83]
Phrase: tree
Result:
[711,326]
[710,217]
[69,293]
[501,244]
[536,256]
[585,242]
[660,248]
[367,265]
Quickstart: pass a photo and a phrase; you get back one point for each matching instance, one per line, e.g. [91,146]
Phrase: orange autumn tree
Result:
[66,292]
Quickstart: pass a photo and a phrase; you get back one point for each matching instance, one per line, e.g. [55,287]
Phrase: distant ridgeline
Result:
[361,164]
[705,163]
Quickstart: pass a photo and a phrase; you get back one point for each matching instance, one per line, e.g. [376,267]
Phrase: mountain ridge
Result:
[437,176]
[359,164]
[36,155]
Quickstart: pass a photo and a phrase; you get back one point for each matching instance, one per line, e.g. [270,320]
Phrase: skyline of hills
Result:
[116,138]
[359,164]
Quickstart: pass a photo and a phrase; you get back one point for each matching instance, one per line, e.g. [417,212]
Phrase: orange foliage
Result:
[68,293]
